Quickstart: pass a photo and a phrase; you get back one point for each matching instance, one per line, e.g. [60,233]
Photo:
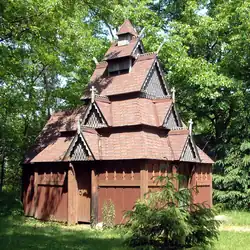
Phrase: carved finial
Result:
[93,91]
[79,126]
[95,60]
[173,94]
[159,48]
[190,122]
[142,32]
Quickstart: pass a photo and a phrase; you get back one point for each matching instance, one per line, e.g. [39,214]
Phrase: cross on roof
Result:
[173,94]
[93,91]
[190,122]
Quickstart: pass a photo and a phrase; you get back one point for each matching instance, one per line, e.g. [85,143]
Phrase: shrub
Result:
[167,219]
[108,214]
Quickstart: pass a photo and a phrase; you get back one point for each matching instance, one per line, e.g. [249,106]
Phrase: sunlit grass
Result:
[237,218]
[233,241]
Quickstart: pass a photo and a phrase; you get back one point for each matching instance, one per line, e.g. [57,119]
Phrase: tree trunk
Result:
[2,172]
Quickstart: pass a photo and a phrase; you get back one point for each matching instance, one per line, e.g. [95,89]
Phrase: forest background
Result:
[47,49]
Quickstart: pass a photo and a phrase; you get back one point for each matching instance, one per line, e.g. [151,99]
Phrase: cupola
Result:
[126,33]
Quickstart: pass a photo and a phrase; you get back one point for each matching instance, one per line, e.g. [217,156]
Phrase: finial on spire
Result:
[141,33]
[95,60]
[159,48]
[173,90]
[190,122]
[93,91]
[79,126]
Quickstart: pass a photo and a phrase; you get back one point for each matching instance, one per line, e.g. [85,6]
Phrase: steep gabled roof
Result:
[127,27]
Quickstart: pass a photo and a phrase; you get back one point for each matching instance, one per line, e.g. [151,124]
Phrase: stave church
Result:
[127,132]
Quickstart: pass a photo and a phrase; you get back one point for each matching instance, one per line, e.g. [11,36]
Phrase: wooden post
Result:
[72,196]
[144,179]
[34,207]
[94,196]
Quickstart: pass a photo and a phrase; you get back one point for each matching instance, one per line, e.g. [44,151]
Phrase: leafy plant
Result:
[167,219]
[108,214]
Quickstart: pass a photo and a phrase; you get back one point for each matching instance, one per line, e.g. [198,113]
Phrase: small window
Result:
[118,67]
[119,72]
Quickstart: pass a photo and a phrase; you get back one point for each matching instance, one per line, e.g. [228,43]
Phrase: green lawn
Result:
[237,218]
[17,232]
[20,233]
[24,233]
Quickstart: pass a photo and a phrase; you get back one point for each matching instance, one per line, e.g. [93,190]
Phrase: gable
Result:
[78,150]
[171,121]
[93,118]
[190,153]
[154,85]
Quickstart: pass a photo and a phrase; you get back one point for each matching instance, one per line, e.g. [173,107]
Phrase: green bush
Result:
[157,222]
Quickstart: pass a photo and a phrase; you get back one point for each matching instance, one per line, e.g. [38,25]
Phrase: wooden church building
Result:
[127,131]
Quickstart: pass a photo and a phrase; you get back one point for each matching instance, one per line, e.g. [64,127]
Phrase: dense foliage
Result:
[167,219]
[46,61]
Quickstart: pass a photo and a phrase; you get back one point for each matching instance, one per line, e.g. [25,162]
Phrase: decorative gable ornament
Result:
[154,85]
[172,120]
[78,150]
[190,152]
[93,117]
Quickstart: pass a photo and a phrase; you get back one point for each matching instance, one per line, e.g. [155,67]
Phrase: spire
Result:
[127,27]
[173,94]
[190,126]
[93,92]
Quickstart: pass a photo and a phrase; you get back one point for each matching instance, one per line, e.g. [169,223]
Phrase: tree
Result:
[44,67]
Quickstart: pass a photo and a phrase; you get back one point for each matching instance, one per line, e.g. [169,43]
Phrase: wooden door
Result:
[83,177]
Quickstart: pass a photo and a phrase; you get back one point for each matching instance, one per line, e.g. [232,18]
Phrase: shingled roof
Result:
[55,136]
[116,51]
[125,83]
[134,122]
[127,27]
[135,111]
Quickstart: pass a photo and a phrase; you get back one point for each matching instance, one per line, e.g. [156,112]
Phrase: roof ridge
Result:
[102,98]
[159,100]
[147,54]
[179,131]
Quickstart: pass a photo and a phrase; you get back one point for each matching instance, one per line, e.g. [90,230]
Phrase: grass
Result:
[22,233]
[18,232]
[238,218]
[233,241]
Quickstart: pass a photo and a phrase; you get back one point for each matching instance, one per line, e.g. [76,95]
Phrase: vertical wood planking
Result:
[144,179]
[94,195]
[72,196]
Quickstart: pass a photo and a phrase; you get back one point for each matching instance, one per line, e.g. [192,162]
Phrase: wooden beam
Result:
[72,196]
[94,196]
[119,183]
[144,179]
[34,207]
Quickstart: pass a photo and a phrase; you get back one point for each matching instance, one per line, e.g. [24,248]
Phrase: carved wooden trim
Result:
[120,183]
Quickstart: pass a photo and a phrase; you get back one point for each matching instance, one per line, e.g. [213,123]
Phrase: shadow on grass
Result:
[21,233]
